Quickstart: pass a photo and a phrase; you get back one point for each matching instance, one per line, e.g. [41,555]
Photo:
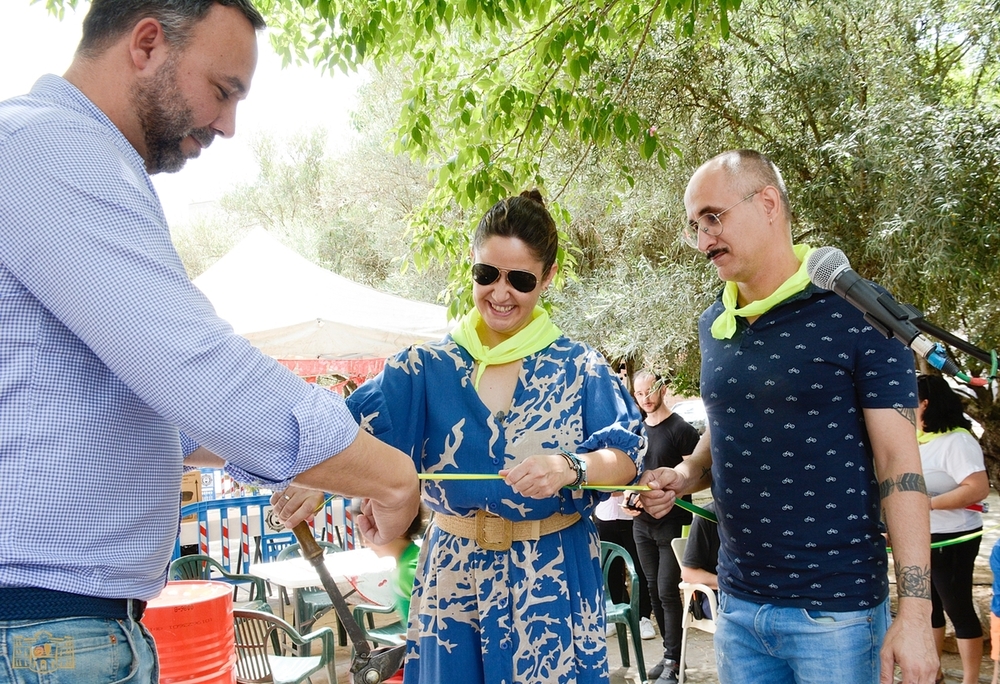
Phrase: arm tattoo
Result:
[706,473]
[913,581]
[909,414]
[907,482]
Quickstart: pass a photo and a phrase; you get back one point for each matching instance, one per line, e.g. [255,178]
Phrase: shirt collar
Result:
[60,91]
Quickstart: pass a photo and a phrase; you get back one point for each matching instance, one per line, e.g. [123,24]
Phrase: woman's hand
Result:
[540,476]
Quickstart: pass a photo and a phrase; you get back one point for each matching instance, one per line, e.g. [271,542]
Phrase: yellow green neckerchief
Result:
[534,337]
[925,437]
[724,326]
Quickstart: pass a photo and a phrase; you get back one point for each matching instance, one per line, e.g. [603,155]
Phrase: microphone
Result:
[829,269]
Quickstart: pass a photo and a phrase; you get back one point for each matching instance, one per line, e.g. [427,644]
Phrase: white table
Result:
[361,575]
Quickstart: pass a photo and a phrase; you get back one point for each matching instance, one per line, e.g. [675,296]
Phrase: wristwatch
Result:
[579,466]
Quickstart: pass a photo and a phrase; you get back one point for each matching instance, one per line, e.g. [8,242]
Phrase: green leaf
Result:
[574,68]
[648,147]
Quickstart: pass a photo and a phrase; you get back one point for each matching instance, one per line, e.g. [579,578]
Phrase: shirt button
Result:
[491,506]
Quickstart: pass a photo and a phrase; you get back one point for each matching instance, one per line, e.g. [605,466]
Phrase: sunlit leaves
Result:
[495,86]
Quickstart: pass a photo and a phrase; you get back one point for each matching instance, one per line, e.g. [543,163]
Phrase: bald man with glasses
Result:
[810,440]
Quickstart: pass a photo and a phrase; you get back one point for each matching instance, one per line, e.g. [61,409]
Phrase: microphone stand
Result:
[916,316]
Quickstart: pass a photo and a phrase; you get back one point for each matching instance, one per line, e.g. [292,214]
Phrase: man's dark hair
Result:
[108,20]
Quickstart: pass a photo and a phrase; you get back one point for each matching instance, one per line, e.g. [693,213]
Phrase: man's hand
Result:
[381,523]
[296,504]
[664,483]
[910,643]
[370,469]
[692,474]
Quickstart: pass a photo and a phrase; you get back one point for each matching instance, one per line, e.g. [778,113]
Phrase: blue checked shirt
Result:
[107,352]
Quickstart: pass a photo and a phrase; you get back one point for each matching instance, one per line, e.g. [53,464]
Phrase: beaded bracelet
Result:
[578,465]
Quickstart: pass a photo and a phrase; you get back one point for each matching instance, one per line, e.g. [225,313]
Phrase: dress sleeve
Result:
[611,418]
[391,405]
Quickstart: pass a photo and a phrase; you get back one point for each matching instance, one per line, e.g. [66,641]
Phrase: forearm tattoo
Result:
[907,482]
[913,581]
[909,414]
[706,473]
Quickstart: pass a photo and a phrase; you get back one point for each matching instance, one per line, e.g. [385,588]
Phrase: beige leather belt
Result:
[494,533]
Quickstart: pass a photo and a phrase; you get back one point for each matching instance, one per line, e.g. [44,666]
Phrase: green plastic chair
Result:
[392,634]
[260,657]
[624,613]
[198,567]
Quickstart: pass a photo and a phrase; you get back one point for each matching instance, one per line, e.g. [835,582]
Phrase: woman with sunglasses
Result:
[507,418]
[956,479]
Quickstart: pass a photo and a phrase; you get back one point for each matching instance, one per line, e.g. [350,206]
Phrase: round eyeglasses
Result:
[709,224]
[522,281]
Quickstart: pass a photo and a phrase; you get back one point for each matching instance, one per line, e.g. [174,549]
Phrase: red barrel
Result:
[192,623]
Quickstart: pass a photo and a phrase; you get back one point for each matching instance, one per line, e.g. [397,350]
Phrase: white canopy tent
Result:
[289,307]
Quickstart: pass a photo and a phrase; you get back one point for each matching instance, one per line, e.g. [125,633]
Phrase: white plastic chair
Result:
[689,620]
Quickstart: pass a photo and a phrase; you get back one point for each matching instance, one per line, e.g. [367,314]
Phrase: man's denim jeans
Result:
[76,651]
[764,644]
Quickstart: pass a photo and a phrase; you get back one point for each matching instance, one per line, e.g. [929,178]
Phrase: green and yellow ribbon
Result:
[697,510]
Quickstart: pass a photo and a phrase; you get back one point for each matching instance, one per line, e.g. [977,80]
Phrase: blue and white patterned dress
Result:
[534,613]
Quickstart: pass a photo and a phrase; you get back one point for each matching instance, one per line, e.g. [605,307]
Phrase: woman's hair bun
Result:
[534,194]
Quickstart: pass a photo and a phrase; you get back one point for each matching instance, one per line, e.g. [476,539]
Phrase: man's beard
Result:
[655,405]
[166,121]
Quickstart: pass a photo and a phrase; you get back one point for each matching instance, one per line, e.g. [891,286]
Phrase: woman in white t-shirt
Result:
[956,479]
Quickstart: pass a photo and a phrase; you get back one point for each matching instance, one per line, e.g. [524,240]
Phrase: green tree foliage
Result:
[492,88]
[883,118]
[346,211]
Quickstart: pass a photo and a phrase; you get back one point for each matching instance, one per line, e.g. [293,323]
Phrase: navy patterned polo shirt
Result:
[792,471]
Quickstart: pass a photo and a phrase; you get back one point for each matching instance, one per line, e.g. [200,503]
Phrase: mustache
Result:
[204,136]
[712,253]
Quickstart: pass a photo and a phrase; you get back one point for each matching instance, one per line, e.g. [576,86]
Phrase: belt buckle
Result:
[493,532]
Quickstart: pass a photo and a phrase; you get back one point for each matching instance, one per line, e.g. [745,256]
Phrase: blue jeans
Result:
[78,650]
[765,644]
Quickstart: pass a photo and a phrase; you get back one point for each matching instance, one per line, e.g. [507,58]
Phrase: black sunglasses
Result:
[522,281]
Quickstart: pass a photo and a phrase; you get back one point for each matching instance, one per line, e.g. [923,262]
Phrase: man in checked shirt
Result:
[115,367]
